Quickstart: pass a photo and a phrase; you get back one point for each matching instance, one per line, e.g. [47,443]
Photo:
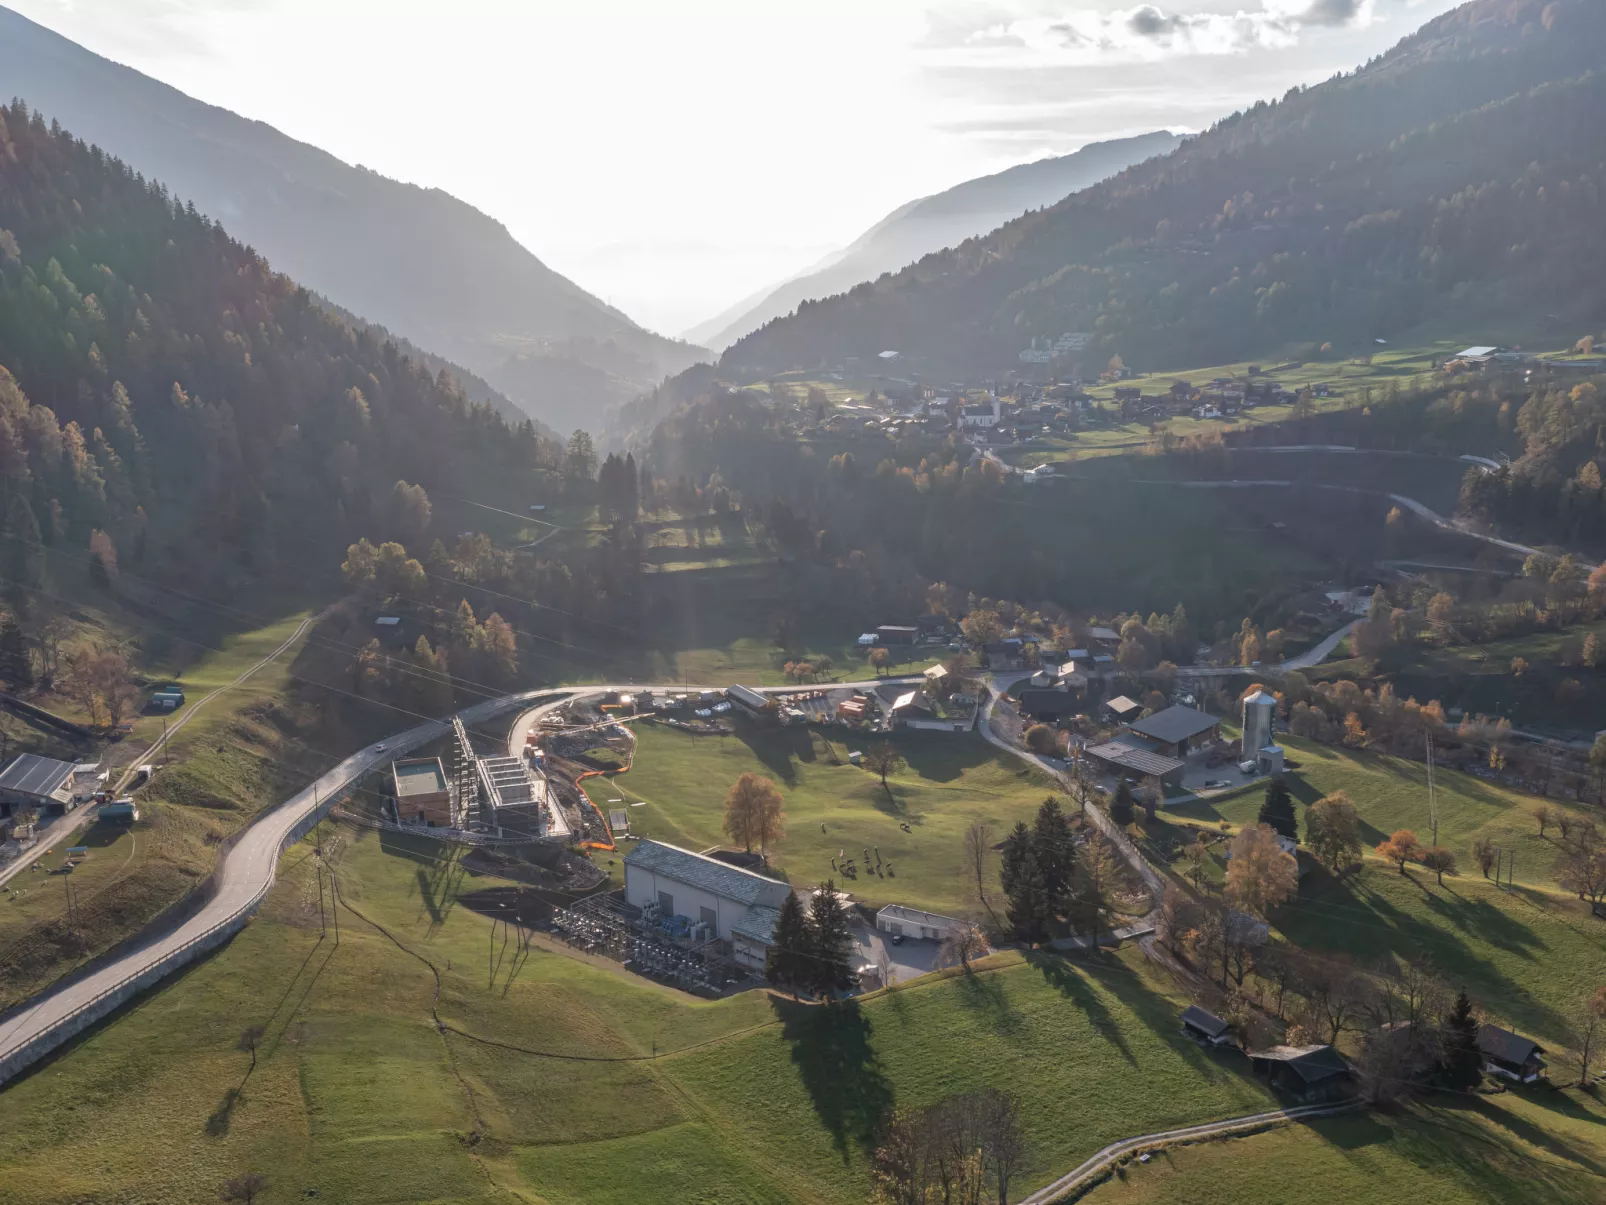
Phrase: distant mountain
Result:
[1454,181]
[933,223]
[165,395]
[418,261]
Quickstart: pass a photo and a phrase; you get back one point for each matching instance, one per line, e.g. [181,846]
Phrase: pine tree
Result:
[1028,910]
[1122,810]
[789,963]
[1014,851]
[1278,809]
[1054,850]
[830,943]
[1460,1060]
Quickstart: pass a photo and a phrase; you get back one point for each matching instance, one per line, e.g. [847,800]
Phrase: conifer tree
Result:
[1055,851]
[830,947]
[1122,810]
[1460,1060]
[789,963]
[1278,809]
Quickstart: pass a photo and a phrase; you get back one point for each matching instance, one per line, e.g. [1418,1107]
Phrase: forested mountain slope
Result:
[162,386]
[1455,179]
[932,223]
[418,261]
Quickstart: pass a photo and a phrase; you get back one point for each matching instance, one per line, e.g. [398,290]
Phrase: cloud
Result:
[1144,33]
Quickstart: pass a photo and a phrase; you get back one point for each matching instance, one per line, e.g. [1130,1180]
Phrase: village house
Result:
[1509,1055]
[1307,1073]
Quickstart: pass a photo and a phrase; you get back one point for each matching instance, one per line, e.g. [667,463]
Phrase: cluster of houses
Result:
[1319,1072]
[1222,397]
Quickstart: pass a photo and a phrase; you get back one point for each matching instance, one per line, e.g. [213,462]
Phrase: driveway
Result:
[910,960]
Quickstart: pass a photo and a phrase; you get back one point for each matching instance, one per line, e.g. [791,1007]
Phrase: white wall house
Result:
[737,905]
[901,921]
[981,417]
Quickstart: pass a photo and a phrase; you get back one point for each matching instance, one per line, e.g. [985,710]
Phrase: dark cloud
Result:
[1332,13]
[1149,22]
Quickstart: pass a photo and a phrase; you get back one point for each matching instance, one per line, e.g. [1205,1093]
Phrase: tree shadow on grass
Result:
[1494,925]
[985,994]
[776,748]
[1351,1132]
[217,1125]
[1061,975]
[1537,1135]
[937,758]
[832,1049]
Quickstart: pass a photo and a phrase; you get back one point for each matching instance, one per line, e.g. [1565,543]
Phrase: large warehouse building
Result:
[736,905]
[48,786]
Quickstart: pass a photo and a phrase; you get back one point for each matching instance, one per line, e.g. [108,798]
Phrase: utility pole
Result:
[165,756]
[323,927]
[334,903]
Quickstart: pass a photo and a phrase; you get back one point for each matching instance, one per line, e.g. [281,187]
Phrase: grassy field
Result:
[831,805]
[1548,1146]
[1529,956]
[1391,793]
[358,1096]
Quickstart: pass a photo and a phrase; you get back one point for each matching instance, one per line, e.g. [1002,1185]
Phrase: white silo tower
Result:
[1260,709]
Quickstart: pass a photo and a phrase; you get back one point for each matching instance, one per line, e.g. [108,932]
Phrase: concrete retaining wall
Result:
[114,998]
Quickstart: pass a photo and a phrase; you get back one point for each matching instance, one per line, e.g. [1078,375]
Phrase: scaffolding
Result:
[465,775]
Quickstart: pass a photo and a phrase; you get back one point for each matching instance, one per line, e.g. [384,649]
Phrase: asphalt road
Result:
[248,870]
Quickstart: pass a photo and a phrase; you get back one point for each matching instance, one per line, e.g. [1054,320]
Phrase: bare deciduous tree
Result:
[963,942]
[978,858]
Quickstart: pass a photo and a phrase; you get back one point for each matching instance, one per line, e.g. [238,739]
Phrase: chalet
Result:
[1304,1072]
[1509,1055]
[981,417]
[1205,1027]
[1108,637]
[1002,654]
[911,706]
[1177,730]
[1123,709]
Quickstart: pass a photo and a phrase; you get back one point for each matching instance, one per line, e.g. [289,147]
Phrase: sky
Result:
[675,157]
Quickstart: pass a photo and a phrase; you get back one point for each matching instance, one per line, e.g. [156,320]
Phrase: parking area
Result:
[910,959]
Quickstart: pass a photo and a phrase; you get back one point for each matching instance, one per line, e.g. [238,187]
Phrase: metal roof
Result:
[698,870]
[758,922]
[931,920]
[1132,758]
[1120,705]
[1049,701]
[1311,1063]
[748,697]
[1206,1023]
[31,774]
[1506,1046]
[1176,723]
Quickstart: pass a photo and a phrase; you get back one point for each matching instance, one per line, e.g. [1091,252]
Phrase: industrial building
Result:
[48,786]
[720,902]
[423,794]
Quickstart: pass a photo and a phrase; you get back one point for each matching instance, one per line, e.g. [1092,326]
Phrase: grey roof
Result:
[419,776]
[31,774]
[1176,723]
[1313,1064]
[1133,758]
[697,870]
[758,922]
[748,697]
[1506,1046]
[1049,702]
[1206,1023]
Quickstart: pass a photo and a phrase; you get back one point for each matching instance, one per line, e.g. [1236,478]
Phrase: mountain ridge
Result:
[413,259]
[931,223]
[1445,181]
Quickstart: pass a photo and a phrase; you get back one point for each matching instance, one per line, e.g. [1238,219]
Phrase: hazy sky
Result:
[675,155]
